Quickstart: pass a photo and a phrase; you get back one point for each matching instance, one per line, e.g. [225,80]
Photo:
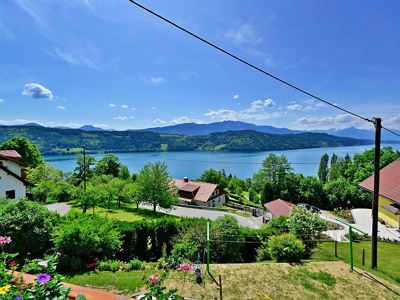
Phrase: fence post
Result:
[336,249]
[363,257]
[220,287]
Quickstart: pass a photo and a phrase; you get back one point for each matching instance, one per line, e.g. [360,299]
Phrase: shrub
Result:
[136,264]
[286,247]
[88,237]
[185,249]
[110,265]
[307,226]
[30,225]
[263,252]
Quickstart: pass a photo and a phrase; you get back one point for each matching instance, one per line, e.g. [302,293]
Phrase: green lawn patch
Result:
[388,257]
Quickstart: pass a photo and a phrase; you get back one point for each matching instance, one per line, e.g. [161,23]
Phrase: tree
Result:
[108,165]
[323,170]
[84,168]
[124,172]
[214,176]
[269,192]
[307,226]
[155,187]
[30,153]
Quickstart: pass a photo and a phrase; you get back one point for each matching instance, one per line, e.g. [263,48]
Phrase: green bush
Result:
[30,225]
[110,265]
[88,237]
[136,264]
[185,249]
[286,247]
[263,252]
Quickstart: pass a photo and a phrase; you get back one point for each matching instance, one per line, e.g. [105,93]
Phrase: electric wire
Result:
[248,63]
[391,131]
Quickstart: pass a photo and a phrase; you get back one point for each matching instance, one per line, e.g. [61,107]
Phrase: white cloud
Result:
[124,118]
[392,122]
[157,80]
[295,107]
[184,119]
[60,107]
[111,105]
[222,115]
[260,105]
[37,91]
[339,121]
[16,122]
[244,34]
[2,100]
[159,121]
[84,57]
[133,108]
[154,107]
[124,106]
[235,97]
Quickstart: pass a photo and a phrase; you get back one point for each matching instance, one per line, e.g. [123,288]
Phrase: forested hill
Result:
[56,140]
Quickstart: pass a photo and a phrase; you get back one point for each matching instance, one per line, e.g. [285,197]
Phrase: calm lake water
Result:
[241,164]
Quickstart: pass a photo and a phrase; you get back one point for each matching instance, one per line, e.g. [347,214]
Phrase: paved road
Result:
[61,208]
[179,211]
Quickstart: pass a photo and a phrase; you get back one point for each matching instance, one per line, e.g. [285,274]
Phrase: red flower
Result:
[12,264]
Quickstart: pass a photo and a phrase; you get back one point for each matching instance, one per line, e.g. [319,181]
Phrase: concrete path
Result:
[61,208]
[363,220]
[336,234]
[253,222]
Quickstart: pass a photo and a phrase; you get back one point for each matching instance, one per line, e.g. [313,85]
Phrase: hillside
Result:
[56,140]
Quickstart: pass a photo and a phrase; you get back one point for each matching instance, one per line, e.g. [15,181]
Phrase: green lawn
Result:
[388,257]
[128,213]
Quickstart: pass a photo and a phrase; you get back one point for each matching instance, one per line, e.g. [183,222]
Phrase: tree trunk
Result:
[154,207]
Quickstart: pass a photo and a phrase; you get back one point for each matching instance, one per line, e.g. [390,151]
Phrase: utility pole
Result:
[375,202]
[84,168]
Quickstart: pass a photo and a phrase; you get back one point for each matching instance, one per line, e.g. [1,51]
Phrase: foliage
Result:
[285,247]
[18,218]
[323,171]
[155,187]
[46,265]
[343,194]
[55,140]
[214,176]
[88,237]
[263,252]
[185,249]
[108,165]
[84,169]
[158,291]
[30,153]
[46,287]
[307,226]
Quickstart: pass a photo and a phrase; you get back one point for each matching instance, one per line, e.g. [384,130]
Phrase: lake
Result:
[241,164]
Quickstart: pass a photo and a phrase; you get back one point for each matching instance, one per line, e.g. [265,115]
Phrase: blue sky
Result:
[107,63]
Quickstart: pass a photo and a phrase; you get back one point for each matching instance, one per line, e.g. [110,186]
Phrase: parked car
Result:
[310,207]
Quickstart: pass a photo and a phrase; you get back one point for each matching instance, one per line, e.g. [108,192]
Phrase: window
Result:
[10,194]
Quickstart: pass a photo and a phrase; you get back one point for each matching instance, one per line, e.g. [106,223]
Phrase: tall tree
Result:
[214,176]
[30,153]
[108,165]
[84,168]
[323,170]
[155,187]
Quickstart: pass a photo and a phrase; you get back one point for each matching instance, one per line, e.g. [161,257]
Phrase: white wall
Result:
[8,182]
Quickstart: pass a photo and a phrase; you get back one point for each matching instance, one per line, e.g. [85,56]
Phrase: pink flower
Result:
[154,279]
[5,240]
[185,267]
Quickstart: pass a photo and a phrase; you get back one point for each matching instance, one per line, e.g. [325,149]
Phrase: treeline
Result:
[60,141]
[336,186]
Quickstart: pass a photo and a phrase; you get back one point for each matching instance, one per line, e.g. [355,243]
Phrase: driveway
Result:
[337,234]
[61,208]
[363,220]
[253,222]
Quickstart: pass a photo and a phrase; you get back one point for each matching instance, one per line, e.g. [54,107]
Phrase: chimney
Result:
[185,179]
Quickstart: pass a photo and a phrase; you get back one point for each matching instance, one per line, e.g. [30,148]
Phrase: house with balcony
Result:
[199,193]
[389,193]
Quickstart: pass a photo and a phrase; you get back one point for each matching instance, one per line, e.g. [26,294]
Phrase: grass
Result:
[127,213]
[388,257]
[327,280]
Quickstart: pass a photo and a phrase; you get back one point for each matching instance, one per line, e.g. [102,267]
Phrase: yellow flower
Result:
[4,289]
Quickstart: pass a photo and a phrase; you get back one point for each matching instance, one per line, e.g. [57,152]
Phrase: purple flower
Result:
[18,298]
[43,278]
[58,254]
[5,240]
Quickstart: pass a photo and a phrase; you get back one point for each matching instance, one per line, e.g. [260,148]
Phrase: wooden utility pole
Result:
[375,202]
[84,168]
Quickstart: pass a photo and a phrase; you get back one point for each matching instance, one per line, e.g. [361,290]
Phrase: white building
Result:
[199,193]
[12,175]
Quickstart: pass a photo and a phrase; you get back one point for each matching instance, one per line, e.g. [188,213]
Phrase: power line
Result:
[391,131]
[247,63]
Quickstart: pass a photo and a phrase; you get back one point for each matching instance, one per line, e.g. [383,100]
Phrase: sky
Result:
[112,65]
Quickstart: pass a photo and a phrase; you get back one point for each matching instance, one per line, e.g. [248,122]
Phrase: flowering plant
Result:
[158,291]
[13,287]
[185,267]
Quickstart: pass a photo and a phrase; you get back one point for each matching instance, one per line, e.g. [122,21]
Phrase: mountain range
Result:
[224,126]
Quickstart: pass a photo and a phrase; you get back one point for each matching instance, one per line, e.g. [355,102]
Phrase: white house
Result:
[199,193]
[12,175]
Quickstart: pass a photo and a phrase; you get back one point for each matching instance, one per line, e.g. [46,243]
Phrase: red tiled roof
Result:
[279,207]
[389,183]
[204,189]
[10,154]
